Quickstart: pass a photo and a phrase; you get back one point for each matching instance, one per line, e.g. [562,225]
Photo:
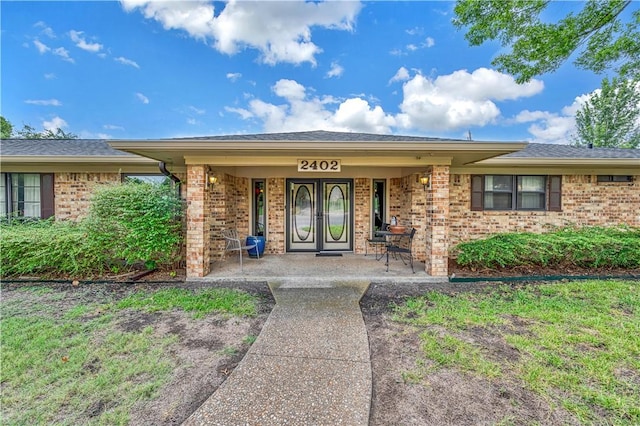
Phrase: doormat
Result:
[328,254]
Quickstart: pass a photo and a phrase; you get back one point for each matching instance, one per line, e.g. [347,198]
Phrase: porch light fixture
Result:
[425,180]
[210,179]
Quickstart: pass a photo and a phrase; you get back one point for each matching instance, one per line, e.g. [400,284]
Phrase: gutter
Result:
[163,169]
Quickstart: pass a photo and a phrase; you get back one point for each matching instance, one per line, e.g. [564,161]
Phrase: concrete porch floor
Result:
[305,267]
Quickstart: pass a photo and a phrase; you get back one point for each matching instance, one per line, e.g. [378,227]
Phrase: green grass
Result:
[78,367]
[578,343]
[218,300]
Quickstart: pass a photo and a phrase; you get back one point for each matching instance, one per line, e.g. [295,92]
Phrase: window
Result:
[157,179]
[26,195]
[378,205]
[259,207]
[614,178]
[514,192]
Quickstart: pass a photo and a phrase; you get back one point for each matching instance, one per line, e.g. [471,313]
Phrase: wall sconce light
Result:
[425,180]
[210,180]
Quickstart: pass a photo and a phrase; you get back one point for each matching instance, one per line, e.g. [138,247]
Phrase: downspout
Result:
[163,169]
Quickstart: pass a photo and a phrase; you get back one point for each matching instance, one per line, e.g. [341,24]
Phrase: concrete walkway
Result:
[310,364]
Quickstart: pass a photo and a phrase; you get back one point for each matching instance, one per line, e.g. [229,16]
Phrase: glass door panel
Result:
[319,215]
[336,215]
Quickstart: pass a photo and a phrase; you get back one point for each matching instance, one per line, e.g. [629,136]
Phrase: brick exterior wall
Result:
[198,254]
[362,213]
[276,219]
[584,202]
[437,224]
[72,192]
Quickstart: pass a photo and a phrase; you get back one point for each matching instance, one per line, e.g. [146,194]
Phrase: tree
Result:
[29,132]
[6,128]
[604,41]
[611,116]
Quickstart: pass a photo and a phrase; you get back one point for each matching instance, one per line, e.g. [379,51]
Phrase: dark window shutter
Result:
[477,192]
[555,193]
[46,195]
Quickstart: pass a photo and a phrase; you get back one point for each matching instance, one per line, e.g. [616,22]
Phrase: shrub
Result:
[137,222]
[586,247]
[47,247]
[127,224]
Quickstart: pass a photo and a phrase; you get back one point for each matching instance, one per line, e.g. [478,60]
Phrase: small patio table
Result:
[394,237]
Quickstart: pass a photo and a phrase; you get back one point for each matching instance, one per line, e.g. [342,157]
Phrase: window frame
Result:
[46,195]
[552,198]
[377,184]
[255,224]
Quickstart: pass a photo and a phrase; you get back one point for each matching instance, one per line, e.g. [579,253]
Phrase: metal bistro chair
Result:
[402,249]
[234,243]
[377,241]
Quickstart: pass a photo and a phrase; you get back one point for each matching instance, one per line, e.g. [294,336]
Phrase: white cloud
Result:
[414,31]
[54,124]
[142,98]
[192,121]
[197,110]
[81,42]
[42,48]
[46,30]
[551,127]
[280,31]
[49,76]
[429,42]
[303,112]
[64,54]
[126,61]
[234,76]
[401,75]
[43,102]
[412,47]
[460,99]
[336,70]
[112,127]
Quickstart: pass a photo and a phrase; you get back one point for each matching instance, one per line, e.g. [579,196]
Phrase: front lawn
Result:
[96,356]
[577,344]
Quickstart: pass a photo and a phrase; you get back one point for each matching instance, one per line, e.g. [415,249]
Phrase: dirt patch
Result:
[206,351]
[443,396]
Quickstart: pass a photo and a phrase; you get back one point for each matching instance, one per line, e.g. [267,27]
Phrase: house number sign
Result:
[318,165]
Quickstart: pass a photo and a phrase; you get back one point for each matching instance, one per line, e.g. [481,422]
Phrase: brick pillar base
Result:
[437,262]
[198,227]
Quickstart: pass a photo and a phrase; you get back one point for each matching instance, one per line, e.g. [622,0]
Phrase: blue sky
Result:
[140,69]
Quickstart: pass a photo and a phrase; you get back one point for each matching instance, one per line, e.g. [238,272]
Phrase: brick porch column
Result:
[198,255]
[437,259]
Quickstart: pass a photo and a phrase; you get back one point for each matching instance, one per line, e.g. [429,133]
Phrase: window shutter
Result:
[555,193]
[477,192]
[46,195]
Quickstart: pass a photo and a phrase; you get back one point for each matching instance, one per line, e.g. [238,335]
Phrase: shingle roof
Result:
[320,136]
[59,147]
[540,150]
[100,148]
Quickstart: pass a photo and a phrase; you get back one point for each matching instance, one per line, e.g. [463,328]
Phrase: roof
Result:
[63,150]
[320,136]
[297,143]
[541,150]
[538,154]
[284,149]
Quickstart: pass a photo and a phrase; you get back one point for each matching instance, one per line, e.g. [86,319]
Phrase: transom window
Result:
[515,192]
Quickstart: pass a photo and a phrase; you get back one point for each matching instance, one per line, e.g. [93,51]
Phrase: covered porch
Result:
[307,267]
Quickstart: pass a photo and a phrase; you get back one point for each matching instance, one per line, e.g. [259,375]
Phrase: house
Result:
[328,191]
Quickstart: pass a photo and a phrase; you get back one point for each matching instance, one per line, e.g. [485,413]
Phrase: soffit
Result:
[379,153]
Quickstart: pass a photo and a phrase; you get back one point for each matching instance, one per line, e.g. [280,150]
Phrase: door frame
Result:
[319,215]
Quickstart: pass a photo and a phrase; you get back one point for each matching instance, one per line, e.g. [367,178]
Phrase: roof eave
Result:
[558,161]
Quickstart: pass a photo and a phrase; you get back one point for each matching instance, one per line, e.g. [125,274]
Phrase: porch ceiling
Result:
[280,153]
